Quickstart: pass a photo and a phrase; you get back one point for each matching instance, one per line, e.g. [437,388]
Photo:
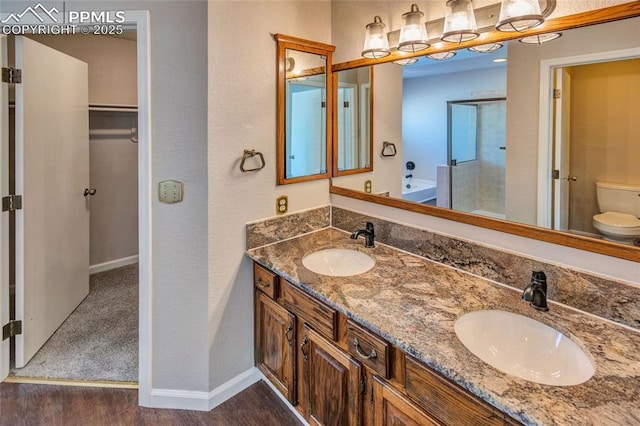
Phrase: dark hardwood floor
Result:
[27,404]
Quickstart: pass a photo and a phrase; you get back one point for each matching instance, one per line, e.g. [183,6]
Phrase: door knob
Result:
[571,178]
[91,191]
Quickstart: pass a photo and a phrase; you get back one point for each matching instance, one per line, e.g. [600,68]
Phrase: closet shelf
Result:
[113,108]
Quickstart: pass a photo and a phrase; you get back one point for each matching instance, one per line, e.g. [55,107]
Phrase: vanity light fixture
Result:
[413,33]
[408,61]
[442,56]
[459,22]
[486,48]
[519,15]
[290,64]
[540,38]
[376,44]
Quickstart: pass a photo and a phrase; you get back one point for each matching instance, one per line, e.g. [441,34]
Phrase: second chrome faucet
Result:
[369,235]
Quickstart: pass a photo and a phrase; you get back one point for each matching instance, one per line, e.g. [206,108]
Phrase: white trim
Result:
[145,276]
[4,219]
[203,401]
[285,400]
[545,157]
[112,264]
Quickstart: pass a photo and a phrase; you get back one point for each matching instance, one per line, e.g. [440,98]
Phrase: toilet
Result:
[620,207]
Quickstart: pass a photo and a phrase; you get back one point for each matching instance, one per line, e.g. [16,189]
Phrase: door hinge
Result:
[346,104]
[12,328]
[11,75]
[454,162]
[555,174]
[556,93]
[11,203]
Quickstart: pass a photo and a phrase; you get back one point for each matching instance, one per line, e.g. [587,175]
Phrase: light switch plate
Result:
[282,204]
[170,191]
[367,186]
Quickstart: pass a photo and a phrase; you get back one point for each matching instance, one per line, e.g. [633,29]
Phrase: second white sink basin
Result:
[338,262]
[524,347]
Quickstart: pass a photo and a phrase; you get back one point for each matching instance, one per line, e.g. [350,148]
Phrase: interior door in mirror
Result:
[353,127]
[304,114]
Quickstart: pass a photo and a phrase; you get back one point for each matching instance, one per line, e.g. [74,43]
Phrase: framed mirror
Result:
[530,134]
[304,109]
[352,122]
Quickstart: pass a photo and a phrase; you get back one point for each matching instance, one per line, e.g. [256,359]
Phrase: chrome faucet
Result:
[536,292]
[369,235]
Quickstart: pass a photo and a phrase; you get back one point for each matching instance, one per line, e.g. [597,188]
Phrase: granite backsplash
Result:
[606,298]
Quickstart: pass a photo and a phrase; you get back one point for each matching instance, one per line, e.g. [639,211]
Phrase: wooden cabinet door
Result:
[393,409]
[275,340]
[332,382]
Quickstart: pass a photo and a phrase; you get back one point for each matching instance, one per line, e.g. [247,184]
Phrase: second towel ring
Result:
[388,149]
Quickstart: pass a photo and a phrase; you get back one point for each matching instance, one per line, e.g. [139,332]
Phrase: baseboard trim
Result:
[113,264]
[285,400]
[203,401]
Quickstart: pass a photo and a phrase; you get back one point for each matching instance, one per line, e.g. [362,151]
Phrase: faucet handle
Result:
[369,227]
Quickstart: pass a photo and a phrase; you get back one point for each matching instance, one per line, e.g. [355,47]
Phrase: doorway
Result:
[138,20]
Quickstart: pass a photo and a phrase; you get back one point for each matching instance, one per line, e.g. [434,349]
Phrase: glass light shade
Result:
[376,44]
[459,22]
[519,15]
[540,38]
[442,56]
[413,33]
[486,48]
[408,61]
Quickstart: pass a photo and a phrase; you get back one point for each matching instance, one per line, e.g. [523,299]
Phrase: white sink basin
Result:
[523,347]
[338,262]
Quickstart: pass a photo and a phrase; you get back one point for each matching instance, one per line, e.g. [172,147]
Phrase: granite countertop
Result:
[413,303]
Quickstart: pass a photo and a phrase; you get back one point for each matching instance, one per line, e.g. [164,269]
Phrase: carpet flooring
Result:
[99,340]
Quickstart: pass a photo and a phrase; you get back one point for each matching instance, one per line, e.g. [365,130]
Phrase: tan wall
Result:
[112,64]
[113,157]
[605,133]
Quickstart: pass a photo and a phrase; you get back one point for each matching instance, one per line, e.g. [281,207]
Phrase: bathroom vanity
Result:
[380,347]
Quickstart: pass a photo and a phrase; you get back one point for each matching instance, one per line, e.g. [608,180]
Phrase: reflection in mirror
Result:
[600,127]
[304,114]
[353,136]
[476,167]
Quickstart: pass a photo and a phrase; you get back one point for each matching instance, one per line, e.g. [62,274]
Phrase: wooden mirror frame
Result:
[369,168]
[285,42]
[594,17]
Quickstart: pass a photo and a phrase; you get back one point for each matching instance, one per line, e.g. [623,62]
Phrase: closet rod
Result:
[113,108]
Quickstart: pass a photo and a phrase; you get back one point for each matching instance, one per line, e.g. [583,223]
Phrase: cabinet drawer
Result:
[446,401]
[319,316]
[265,280]
[369,349]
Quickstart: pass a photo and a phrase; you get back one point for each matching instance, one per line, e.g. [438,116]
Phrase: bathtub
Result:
[419,190]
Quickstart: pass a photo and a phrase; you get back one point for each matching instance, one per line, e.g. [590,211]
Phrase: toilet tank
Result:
[615,197]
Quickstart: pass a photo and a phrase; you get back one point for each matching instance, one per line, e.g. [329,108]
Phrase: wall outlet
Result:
[367,186]
[170,191]
[282,204]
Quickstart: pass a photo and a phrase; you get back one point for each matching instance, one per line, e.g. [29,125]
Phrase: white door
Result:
[4,225]
[562,144]
[51,173]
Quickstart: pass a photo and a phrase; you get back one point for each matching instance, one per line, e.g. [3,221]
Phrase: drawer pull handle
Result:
[267,284]
[305,355]
[288,334]
[372,355]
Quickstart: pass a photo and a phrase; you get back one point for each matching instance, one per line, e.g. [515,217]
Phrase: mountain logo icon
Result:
[40,12]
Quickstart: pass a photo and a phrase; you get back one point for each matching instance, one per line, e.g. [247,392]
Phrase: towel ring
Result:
[248,153]
[386,146]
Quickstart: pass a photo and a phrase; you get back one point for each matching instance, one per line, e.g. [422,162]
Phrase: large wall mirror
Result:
[534,165]
[304,124]
[353,126]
